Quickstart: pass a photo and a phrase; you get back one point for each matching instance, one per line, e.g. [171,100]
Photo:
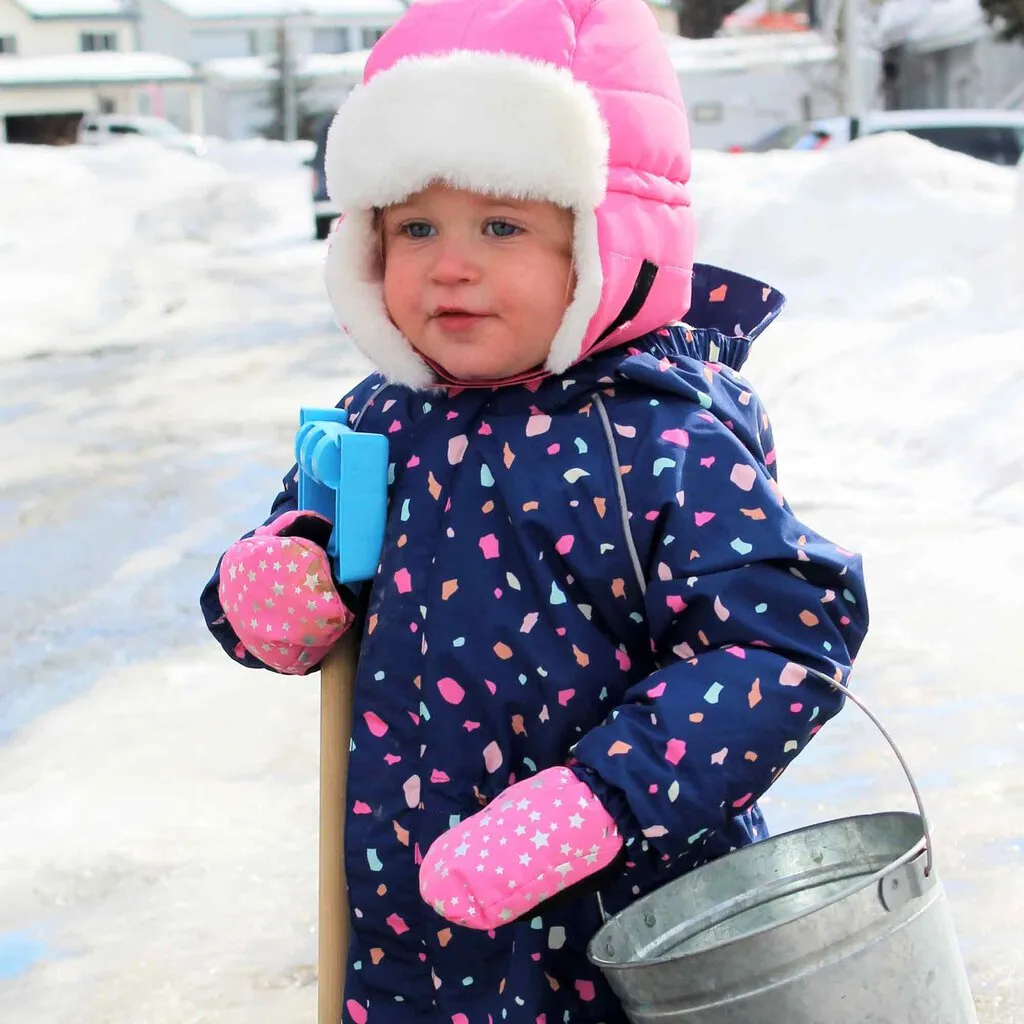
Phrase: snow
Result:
[74,8]
[388,10]
[1018,226]
[163,321]
[93,68]
[119,233]
[927,25]
[726,55]
[740,53]
[346,67]
[723,55]
[236,70]
[689,57]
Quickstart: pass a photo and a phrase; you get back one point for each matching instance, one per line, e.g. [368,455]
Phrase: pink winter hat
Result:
[571,101]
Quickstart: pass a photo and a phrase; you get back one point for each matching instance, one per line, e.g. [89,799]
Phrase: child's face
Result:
[477,284]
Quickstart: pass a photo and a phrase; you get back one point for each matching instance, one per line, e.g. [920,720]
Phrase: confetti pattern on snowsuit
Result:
[506,632]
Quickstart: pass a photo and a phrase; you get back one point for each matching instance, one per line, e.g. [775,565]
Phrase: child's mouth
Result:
[458,319]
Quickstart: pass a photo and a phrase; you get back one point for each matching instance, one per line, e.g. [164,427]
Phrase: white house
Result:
[233,43]
[935,53]
[739,87]
[60,59]
[943,53]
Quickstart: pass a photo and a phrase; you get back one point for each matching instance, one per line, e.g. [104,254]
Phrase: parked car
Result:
[993,135]
[101,129]
[324,211]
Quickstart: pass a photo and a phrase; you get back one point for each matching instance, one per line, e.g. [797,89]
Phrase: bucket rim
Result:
[920,847]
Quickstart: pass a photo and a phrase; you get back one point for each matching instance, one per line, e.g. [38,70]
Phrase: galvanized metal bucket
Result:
[844,922]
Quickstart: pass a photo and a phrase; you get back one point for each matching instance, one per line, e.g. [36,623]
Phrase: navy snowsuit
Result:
[606,567]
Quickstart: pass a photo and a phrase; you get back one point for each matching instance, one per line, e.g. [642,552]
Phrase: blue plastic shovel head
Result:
[343,475]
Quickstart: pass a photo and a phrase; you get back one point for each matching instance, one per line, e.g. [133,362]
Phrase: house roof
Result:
[689,56]
[744,53]
[106,68]
[210,10]
[76,8]
[244,71]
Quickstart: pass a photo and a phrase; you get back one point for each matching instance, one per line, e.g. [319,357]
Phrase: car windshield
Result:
[998,144]
[778,138]
[813,138]
[157,127]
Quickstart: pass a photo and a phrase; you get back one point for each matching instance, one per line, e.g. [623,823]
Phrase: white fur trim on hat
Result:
[357,294]
[565,348]
[493,123]
[478,121]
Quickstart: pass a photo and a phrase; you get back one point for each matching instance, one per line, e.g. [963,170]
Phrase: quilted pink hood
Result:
[570,101]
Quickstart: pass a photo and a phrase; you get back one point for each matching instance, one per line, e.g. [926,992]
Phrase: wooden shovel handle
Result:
[337,686]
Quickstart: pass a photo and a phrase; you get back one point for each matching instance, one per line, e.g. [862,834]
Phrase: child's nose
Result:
[454,263]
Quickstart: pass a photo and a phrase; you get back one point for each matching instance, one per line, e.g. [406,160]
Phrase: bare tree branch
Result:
[1007,16]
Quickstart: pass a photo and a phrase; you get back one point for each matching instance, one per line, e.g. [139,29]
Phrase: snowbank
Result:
[831,225]
[1018,225]
[260,157]
[903,327]
[117,243]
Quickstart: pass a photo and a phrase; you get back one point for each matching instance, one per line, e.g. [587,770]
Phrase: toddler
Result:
[597,630]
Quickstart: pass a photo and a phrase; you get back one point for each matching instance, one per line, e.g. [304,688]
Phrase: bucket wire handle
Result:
[846,692]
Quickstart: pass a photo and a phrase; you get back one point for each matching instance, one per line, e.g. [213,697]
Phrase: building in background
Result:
[234,46]
[62,59]
[934,53]
[943,53]
[214,66]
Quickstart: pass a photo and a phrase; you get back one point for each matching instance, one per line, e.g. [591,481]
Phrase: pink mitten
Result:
[535,839]
[277,593]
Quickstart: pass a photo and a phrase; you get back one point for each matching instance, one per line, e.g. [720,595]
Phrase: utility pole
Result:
[135,14]
[852,77]
[289,98]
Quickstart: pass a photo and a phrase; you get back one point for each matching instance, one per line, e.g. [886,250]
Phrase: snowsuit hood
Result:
[574,102]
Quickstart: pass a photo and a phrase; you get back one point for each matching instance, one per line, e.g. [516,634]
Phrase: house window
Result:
[263,42]
[8,44]
[371,35]
[90,42]
[238,43]
[711,112]
[330,40]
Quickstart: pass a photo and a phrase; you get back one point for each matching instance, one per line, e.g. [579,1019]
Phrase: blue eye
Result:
[501,229]
[417,229]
